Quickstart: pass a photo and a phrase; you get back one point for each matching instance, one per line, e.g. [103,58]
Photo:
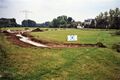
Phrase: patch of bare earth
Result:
[15,40]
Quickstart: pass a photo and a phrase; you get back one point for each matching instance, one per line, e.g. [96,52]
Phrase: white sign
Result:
[72,38]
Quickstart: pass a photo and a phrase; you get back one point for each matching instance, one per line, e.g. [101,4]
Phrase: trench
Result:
[27,40]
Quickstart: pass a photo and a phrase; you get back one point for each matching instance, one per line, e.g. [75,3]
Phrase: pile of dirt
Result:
[37,30]
[15,40]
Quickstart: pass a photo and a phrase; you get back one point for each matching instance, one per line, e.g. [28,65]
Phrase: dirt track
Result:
[15,40]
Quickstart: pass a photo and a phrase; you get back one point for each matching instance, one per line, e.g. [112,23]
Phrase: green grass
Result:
[62,63]
[84,36]
[17,28]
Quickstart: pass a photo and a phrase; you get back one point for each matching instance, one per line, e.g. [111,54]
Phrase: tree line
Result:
[59,22]
[105,20]
[62,22]
[108,20]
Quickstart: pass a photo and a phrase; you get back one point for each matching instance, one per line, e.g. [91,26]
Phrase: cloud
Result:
[3,7]
[1,0]
[43,10]
[3,4]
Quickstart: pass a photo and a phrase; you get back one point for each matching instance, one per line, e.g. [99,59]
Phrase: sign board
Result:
[72,38]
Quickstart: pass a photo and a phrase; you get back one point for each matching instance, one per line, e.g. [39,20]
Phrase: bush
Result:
[46,30]
[26,28]
[116,47]
[117,32]
[37,30]
[99,44]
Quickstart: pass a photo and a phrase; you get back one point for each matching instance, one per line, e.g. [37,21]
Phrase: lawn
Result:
[61,63]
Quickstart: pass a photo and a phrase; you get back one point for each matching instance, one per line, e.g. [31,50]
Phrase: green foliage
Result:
[61,21]
[109,20]
[63,63]
[117,32]
[28,23]
[85,36]
[26,28]
[116,47]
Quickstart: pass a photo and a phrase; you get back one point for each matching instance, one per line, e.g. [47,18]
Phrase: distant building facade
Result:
[5,22]
[80,27]
[90,23]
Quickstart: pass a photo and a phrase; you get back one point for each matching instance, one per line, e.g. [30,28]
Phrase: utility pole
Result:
[26,15]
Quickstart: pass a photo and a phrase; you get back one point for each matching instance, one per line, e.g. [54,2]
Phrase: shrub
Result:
[46,29]
[116,47]
[26,28]
[37,30]
[99,44]
[117,32]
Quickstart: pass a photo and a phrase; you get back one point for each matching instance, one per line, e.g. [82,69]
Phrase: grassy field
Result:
[86,36]
[62,63]
[17,28]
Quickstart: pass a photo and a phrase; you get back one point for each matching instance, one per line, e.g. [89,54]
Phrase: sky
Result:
[45,10]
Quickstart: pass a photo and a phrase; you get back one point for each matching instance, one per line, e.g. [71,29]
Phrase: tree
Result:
[111,13]
[69,20]
[55,23]
[116,19]
[105,17]
[62,22]
[109,19]
[28,23]
[92,25]
[5,22]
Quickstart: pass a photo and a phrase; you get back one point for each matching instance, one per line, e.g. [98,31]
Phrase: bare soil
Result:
[15,40]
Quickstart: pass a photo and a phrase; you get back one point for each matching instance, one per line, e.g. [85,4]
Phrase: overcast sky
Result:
[46,10]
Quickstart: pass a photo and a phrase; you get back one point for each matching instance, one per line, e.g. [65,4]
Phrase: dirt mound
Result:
[37,30]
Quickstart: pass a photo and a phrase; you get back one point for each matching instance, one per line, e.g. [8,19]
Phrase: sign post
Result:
[72,38]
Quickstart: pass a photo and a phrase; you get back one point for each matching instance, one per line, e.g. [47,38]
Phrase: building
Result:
[80,27]
[90,23]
